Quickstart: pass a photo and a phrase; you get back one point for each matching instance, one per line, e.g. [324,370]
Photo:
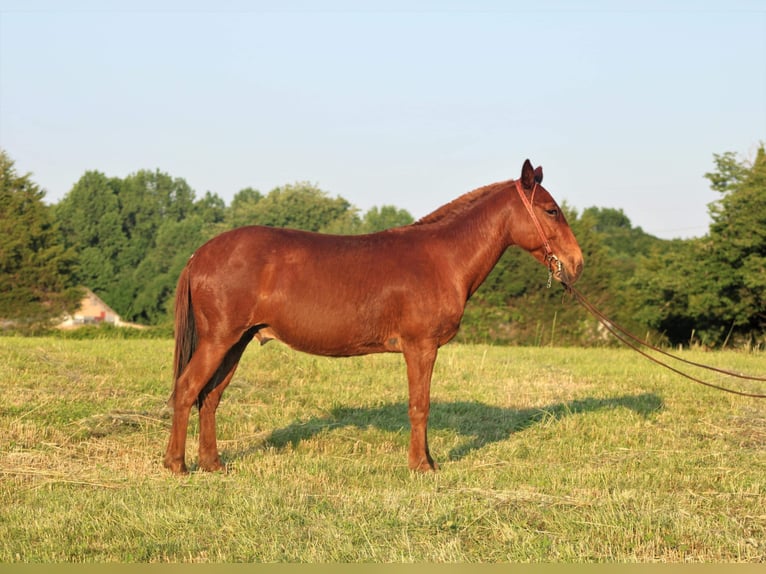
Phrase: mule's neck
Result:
[479,236]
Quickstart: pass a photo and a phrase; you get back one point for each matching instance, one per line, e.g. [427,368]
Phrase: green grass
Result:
[546,454]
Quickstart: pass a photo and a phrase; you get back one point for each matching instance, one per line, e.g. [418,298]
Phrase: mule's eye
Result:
[552,212]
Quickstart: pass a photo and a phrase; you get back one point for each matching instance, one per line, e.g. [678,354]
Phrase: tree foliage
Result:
[114,226]
[90,221]
[384,217]
[713,289]
[298,206]
[35,268]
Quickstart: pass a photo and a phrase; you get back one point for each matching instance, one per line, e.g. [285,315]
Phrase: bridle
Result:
[550,258]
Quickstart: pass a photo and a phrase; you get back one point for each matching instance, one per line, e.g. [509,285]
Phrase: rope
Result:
[635,343]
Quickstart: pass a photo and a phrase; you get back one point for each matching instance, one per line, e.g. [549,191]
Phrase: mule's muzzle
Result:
[557,270]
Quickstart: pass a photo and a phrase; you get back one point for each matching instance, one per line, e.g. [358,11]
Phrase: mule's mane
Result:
[461,204]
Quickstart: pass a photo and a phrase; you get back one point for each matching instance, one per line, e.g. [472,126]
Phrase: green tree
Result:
[149,200]
[347,223]
[91,224]
[242,210]
[298,206]
[729,174]
[713,289]
[663,287]
[114,226]
[623,240]
[736,249]
[211,208]
[158,272]
[385,217]
[36,269]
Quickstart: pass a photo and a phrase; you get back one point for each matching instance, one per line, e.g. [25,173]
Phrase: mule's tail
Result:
[185,329]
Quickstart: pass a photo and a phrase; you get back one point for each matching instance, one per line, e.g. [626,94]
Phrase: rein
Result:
[619,332]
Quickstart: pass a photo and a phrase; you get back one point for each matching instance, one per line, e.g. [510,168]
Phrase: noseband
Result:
[550,258]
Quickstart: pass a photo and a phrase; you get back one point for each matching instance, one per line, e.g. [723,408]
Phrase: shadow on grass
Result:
[482,424]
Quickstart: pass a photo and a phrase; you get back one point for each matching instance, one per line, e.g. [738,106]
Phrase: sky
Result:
[402,103]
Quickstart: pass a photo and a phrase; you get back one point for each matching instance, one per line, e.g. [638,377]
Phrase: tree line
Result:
[127,239]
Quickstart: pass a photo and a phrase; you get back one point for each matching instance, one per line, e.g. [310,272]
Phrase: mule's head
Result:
[541,228]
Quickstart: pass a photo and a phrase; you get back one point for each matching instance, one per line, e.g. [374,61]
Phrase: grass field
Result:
[547,454]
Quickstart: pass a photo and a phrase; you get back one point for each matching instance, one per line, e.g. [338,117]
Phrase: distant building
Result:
[92,311]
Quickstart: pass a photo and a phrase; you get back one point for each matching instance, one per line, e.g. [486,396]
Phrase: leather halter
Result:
[550,258]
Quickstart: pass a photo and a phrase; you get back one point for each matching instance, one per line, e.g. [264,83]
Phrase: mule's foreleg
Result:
[420,364]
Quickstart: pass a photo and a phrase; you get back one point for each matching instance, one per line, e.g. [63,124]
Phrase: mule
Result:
[402,290]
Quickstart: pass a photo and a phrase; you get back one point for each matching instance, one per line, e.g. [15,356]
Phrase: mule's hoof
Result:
[213,466]
[175,466]
[424,465]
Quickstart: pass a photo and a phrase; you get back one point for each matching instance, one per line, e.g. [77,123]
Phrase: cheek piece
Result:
[553,262]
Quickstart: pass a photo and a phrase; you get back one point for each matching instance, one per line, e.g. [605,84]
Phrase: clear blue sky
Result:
[390,102]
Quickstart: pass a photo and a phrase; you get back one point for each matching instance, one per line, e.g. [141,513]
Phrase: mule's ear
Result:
[539,174]
[527,175]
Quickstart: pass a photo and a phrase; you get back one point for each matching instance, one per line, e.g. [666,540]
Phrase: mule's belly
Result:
[329,347]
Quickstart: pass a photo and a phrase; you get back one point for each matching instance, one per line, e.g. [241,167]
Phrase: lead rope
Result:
[627,338]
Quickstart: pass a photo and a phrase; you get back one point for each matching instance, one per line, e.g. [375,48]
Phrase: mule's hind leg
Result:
[208,400]
[203,365]
[420,361]
[209,459]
